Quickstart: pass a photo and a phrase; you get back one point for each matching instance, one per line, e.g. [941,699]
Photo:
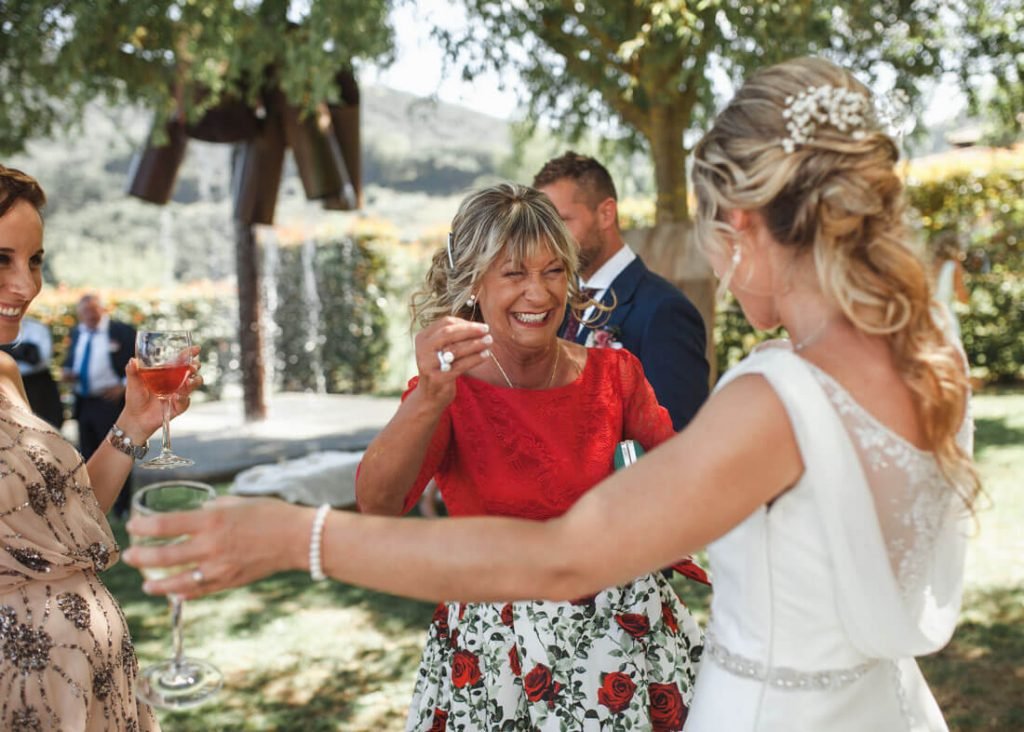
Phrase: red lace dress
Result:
[625,658]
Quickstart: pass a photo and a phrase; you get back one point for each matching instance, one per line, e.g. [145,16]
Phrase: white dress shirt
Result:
[101,372]
[32,331]
[605,276]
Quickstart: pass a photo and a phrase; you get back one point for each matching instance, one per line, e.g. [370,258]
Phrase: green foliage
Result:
[341,347]
[329,318]
[992,74]
[735,338]
[991,327]
[987,207]
[175,56]
[644,72]
[209,311]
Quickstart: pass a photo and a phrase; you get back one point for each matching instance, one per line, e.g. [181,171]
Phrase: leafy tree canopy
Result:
[647,71]
[175,56]
[992,68]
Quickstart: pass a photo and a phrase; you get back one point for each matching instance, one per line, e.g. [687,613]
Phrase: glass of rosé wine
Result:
[164,358]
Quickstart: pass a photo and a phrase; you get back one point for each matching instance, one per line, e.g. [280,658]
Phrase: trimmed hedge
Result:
[990,328]
[983,200]
[207,309]
[332,339]
[345,342]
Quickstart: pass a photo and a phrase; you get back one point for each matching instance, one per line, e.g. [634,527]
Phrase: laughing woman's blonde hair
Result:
[799,144]
[503,219]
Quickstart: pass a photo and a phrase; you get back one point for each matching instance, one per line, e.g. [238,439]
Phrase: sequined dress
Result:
[823,599]
[67,658]
[624,659]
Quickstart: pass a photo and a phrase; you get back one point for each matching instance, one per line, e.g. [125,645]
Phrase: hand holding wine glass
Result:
[164,359]
[179,682]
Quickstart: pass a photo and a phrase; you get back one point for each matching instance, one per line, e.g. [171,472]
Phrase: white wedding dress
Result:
[822,600]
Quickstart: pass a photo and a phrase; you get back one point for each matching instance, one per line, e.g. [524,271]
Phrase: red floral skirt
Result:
[625,659]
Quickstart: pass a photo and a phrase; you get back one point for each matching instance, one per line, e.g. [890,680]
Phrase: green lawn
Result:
[299,656]
[979,677]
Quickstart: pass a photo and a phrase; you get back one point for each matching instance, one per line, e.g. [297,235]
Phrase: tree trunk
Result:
[669,248]
[250,335]
[669,156]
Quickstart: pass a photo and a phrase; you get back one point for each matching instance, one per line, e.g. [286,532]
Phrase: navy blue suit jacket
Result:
[662,328]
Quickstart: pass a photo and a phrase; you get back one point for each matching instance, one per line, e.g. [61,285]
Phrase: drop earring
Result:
[724,282]
[471,302]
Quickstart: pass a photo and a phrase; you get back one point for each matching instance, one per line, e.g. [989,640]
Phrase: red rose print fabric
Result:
[626,659]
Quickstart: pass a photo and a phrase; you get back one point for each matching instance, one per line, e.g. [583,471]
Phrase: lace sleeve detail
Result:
[644,419]
[437,451]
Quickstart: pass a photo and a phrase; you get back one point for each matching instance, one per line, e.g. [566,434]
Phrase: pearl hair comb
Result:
[843,109]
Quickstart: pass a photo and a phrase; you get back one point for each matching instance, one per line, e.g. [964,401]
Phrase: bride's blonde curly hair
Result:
[837,195]
[503,219]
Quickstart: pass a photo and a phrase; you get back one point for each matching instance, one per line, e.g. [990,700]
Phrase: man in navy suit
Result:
[97,358]
[651,317]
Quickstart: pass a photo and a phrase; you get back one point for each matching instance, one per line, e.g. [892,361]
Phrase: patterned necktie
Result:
[83,367]
[572,323]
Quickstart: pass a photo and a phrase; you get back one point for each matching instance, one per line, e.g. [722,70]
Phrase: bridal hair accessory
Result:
[448,248]
[843,109]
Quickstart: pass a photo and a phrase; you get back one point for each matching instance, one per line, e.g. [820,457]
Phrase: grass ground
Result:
[979,677]
[299,656]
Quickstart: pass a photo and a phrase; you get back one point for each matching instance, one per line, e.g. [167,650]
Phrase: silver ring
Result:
[197,576]
[444,364]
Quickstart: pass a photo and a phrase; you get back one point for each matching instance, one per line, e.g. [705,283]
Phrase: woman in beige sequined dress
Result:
[66,658]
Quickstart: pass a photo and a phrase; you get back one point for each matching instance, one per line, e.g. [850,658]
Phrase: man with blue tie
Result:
[650,317]
[97,357]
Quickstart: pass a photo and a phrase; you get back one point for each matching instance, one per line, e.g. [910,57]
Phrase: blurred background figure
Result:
[32,352]
[948,273]
[97,358]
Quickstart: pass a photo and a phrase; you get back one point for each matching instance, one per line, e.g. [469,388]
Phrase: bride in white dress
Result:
[828,475]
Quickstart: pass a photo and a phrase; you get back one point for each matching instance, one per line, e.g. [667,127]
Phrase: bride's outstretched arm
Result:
[738,454]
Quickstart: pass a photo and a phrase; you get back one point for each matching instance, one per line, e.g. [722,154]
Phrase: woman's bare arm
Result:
[737,455]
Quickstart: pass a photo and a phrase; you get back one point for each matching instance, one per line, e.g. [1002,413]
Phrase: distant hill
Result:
[419,157]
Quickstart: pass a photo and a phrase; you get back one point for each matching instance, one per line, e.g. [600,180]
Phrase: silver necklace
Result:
[551,380]
[813,337]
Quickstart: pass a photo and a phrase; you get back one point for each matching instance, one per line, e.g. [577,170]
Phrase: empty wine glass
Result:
[164,359]
[178,682]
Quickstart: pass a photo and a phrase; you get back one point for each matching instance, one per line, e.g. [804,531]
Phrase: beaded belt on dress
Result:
[782,677]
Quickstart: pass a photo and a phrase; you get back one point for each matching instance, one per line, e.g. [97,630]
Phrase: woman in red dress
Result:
[521,423]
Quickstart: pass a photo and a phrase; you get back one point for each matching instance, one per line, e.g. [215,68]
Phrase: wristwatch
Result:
[124,443]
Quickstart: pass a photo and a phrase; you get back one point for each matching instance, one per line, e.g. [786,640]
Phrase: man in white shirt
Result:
[97,358]
[651,317]
[32,352]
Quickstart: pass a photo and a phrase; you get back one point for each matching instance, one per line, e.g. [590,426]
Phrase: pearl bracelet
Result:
[123,442]
[316,568]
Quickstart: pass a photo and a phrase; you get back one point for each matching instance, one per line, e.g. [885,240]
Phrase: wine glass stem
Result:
[177,633]
[165,408]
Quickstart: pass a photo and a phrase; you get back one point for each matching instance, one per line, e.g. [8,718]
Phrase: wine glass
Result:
[164,359]
[178,682]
